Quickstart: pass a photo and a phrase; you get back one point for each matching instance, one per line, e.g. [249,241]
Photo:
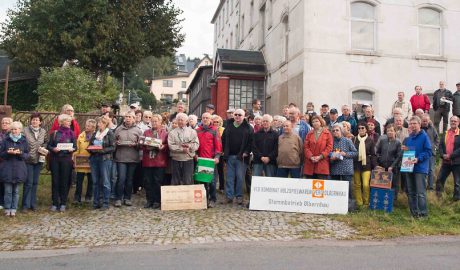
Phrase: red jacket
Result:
[420,102]
[210,143]
[74,126]
[323,146]
[162,156]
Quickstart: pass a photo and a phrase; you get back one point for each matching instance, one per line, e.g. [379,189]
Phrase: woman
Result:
[83,141]
[101,162]
[5,128]
[341,157]
[74,126]
[218,123]
[13,171]
[61,161]
[36,137]
[387,150]
[290,153]
[317,146]
[371,130]
[154,162]
[363,165]
[347,130]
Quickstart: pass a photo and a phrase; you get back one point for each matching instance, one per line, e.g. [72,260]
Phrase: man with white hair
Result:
[346,116]
[405,106]
[183,143]
[299,127]
[236,141]
[440,107]
[265,149]
[419,113]
[395,113]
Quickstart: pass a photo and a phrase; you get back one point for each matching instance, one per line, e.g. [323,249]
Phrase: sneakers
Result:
[53,208]
[128,203]
[7,212]
[228,201]
[104,207]
[117,203]
[13,213]
[62,208]
[156,205]
[239,200]
[212,204]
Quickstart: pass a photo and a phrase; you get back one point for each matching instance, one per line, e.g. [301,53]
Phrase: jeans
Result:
[416,194]
[430,175]
[220,170]
[361,188]
[125,180]
[446,169]
[61,170]
[100,171]
[11,196]
[29,194]
[285,172]
[2,194]
[113,180]
[79,186]
[211,187]
[138,178]
[182,172]
[444,114]
[395,182]
[267,169]
[236,170]
[153,177]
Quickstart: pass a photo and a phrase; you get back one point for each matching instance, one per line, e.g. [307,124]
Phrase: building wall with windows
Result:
[346,51]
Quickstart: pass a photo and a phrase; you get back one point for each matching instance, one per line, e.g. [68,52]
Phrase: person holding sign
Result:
[210,148]
[61,145]
[317,146]
[388,149]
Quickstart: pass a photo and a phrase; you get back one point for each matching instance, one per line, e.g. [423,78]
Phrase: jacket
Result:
[265,144]
[420,102]
[245,147]
[455,156]
[125,153]
[387,151]
[13,167]
[35,143]
[290,151]
[456,103]
[377,124]
[406,108]
[344,166]
[437,95]
[210,143]
[370,155]
[108,146]
[75,127]
[160,157]
[180,136]
[321,147]
[350,119]
[82,144]
[420,143]
[434,138]
[54,140]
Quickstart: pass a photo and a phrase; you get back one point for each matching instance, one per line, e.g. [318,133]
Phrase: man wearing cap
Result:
[324,112]
[134,107]
[440,107]
[230,112]
[210,109]
[333,117]
[456,101]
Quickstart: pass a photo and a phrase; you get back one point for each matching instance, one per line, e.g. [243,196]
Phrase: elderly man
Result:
[183,143]
[440,107]
[180,108]
[210,147]
[401,131]
[405,106]
[419,113]
[419,100]
[369,116]
[210,109]
[456,101]
[396,112]
[236,141]
[333,117]
[346,116]
[265,149]
[230,112]
[427,126]
[450,153]
[299,127]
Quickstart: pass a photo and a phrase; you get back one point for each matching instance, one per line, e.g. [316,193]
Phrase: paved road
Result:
[427,253]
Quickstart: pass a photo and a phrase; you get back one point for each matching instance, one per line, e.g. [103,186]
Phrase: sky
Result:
[197,24]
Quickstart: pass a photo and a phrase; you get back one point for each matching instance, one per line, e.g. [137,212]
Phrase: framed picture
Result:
[82,162]
[381,179]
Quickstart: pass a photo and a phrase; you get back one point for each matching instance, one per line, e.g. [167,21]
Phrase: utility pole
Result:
[7,78]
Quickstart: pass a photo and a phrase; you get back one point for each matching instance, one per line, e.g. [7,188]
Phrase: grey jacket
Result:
[125,153]
[434,138]
[35,143]
[456,104]
[180,136]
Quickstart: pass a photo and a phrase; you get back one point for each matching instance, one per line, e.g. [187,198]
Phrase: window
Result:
[166,97]
[167,83]
[237,37]
[363,26]
[242,27]
[184,84]
[269,14]
[285,40]
[262,26]
[242,92]
[362,97]
[251,15]
[429,31]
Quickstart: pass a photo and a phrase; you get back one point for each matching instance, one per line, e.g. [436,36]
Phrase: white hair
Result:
[16,124]
[182,116]
[63,117]
[239,111]
[268,117]
[193,117]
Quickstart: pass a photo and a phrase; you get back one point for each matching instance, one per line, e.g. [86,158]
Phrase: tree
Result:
[103,35]
[75,86]
[156,66]
[139,88]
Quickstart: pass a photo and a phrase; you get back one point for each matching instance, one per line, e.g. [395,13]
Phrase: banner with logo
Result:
[183,197]
[299,195]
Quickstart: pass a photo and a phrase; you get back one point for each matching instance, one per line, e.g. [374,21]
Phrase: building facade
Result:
[199,91]
[345,51]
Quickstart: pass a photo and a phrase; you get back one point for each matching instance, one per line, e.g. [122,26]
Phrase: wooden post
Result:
[7,78]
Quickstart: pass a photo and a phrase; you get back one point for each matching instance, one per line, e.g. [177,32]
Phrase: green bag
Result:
[204,171]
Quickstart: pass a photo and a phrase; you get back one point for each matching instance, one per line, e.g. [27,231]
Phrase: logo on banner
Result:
[318,189]
[198,195]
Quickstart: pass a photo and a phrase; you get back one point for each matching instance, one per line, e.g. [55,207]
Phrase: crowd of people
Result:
[147,150]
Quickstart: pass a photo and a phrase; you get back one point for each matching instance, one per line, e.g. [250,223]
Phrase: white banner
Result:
[299,195]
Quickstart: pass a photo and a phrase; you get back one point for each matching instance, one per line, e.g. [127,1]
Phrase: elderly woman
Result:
[61,161]
[371,132]
[193,121]
[154,162]
[67,109]
[83,141]
[5,128]
[146,119]
[101,162]
[317,146]
[37,137]
[14,151]
[387,150]
[363,165]
[257,123]
[218,123]
[347,130]
[341,157]
[290,152]
[265,149]
[127,157]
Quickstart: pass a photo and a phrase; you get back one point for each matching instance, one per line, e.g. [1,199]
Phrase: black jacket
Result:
[456,104]
[437,99]
[455,156]
[370,155]
[245,147]
[265,144]
[387,151]
[108,146]
[377,124]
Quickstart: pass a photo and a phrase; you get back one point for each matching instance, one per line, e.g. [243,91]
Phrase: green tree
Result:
[103,35]
[156,66]
[22,95]
[75,86]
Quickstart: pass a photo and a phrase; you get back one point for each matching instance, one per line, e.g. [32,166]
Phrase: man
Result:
[256,108]
[456,101]
[401,131]
[434,139]
[450,153]
[396,112]
[406,107]
[230,112]
[310,110]
[210,147]
[210,109]
[265,149]
[419,113]
[183,143]
[286,111]
[180,108]
[299,127]
[134,107]
[346,116]
[333,117]
[369,116]
[419,100]
[236,141]
[440,107]
[324,112]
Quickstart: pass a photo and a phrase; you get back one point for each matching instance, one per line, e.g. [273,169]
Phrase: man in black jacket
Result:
[440,107]
[265,149]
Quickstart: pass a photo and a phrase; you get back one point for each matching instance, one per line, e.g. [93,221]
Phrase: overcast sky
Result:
[196,26]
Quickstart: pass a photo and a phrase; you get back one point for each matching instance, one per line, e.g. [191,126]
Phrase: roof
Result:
[240,62]
[197,76]
[14,76]
[214,17]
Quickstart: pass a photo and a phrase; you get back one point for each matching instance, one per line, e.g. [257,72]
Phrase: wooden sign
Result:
[82,162]
[381,179]
[183,197]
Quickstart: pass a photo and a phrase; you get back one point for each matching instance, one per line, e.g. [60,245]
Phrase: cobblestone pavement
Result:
[135,225]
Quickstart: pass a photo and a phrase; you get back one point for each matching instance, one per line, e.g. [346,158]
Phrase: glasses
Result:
[360,128]
[147,117]
[237,114]
[216,122]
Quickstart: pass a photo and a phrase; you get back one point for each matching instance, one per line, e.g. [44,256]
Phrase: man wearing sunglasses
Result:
[236,141]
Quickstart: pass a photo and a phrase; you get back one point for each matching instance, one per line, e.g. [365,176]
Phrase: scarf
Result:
[100,135]
[15,138]
[66,134]
[35,131]
[318,133]
[362,149]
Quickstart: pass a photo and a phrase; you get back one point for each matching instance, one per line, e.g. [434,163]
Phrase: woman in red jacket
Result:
[317,146]
[67,109]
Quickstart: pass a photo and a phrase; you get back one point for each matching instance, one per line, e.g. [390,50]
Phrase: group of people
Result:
[147,150]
